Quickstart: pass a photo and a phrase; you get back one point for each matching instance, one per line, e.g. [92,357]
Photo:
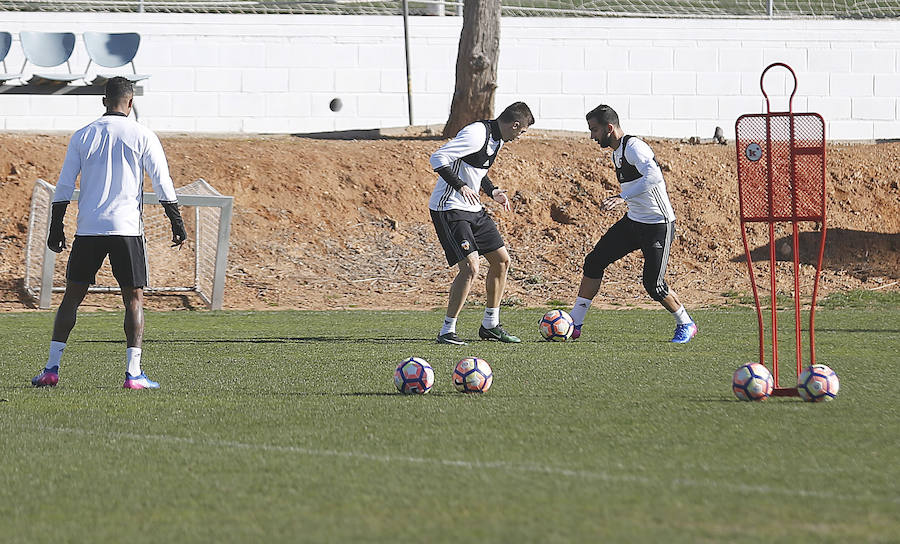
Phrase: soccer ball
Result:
[556,326]
[818,383]
[752,381]
[414,375]
[473,375]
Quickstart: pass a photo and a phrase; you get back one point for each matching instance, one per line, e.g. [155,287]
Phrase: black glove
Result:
[179,235]
[56,240]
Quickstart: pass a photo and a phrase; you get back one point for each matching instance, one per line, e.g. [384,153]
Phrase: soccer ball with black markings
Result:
[752,381]
[818,383]
[473,375]
[556,326]
[414,376]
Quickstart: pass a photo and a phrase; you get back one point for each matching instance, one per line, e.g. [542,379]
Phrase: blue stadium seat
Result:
[112,50]
[49,49]
[5,44]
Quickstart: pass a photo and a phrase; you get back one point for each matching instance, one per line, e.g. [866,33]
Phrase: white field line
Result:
[523,468]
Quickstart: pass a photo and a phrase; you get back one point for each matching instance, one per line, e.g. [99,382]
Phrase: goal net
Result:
[197,267]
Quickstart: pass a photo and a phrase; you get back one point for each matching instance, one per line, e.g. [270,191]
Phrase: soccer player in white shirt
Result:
[464,228]
[648,225]
[111,155]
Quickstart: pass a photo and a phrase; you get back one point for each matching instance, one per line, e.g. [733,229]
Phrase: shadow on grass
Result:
[736,401]
[269,340]
[17,293]
[390,394]
[894,331]
[715,401]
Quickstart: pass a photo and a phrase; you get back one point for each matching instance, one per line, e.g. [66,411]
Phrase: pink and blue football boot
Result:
[684,333]
[48,377]
[139,382]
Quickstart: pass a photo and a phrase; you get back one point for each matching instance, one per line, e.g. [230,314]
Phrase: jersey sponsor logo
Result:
[465,245]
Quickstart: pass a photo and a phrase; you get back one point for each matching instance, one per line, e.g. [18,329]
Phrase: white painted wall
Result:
[665,77]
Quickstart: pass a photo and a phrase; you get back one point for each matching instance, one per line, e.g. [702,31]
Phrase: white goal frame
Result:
[211,216]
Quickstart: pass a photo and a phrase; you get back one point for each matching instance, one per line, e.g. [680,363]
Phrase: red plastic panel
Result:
[781,167]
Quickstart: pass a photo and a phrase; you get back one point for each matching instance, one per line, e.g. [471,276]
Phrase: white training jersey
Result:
[644,190]
[110,154]
[474,140]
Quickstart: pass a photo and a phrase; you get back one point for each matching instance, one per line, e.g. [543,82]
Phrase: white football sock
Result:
[56,351]
[491,318]
[449,325]
[580,309]
[133,360]
[681,316]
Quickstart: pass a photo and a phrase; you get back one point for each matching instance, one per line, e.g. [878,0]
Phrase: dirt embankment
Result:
[344,224]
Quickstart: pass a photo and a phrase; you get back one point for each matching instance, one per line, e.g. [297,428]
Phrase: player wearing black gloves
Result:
[111,155]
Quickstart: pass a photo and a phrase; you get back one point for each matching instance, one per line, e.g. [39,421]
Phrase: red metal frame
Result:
[804,180]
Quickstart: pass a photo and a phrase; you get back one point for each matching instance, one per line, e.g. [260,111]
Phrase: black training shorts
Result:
[462,233]
[654,240]
[126,255]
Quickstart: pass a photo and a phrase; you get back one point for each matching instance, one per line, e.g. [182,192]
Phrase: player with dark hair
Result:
[111,154]
[464,228]
[648,225]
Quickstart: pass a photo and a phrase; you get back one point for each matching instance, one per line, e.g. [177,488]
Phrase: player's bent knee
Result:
[499,257]
[594,267]
[468,269]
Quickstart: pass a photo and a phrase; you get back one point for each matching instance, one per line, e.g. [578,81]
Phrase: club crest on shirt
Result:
[464,244]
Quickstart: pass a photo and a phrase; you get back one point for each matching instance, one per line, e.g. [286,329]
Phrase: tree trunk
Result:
[476,65]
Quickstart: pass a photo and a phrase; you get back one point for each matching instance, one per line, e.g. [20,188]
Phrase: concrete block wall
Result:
[214,73]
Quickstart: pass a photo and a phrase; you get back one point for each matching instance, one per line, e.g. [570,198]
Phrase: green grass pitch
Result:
[286,427]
